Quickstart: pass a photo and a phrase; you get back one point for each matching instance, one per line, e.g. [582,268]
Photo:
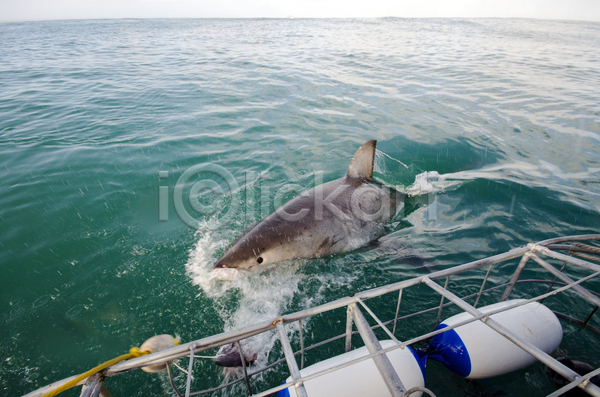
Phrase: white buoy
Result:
[362,379]
[154,344]
[476,351]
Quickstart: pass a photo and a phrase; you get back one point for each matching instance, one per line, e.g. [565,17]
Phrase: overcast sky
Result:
[20,10]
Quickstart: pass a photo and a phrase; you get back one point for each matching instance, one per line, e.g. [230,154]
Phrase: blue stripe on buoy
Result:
[449,349]
[421,360]
[283,393]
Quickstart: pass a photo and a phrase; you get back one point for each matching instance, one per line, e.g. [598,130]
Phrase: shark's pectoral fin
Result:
[362,162]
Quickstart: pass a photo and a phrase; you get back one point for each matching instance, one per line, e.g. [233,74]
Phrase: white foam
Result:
[224,274]
[261,295]
[431,182]
[255,296]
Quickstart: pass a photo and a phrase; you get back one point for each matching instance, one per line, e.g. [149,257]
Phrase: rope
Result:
[133,353]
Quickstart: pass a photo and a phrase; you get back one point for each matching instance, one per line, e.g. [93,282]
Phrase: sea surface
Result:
[100,119]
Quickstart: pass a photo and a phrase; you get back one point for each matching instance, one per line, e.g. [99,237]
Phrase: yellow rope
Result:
[133,353]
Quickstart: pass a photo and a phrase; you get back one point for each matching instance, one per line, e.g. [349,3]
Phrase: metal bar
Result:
[439,315]
[291,360]
[421,389]
[348,329]
[199,393]
[555,278]
[578,322]
[54,385]
[397,310]
[92,386]
[503,309]
[515,277]
[528,347]
[266,393]
[431,309]
[389,375]
[582,237]
[575,383]
[244,366]
[576,249]
[587,320]
[387,331]
[273,364]
[418,339]
[582,291]
[327,371]
[188,384]
[182,350]
[231,336]
[563,257]
[171,381]
[301,344]
[426,336]
[483,285]
[412,341]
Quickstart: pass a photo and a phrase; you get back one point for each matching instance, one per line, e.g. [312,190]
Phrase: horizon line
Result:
[289,17]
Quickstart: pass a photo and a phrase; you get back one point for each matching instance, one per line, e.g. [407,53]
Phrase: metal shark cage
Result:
[553,257]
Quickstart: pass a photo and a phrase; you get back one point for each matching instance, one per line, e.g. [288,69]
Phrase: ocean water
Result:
[99,121]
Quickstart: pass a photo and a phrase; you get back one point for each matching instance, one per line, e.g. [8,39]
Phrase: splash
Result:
[243,298]
[431,182]
[543,174]
[252,297]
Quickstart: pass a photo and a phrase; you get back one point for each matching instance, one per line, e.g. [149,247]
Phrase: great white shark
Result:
[337,216]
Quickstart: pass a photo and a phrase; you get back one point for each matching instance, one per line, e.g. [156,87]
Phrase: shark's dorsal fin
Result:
[361,165]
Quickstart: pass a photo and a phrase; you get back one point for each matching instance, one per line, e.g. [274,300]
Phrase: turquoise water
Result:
[92,113]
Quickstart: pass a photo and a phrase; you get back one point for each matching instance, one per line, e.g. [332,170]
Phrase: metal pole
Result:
[171,381]
[439,315]
[515,277]
[231,336]
[244,366]
[389,375]
[563,257]
[348,329]
[483,285]
[555,278]
[189,374]
[291,360]
[301,344]
[383,327]
[92,386]
[528,347]
[587,320]
[578,288]
[575,383]
[582,237]
[397,310]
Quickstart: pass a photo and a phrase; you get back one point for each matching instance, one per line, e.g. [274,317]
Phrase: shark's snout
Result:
[225,261]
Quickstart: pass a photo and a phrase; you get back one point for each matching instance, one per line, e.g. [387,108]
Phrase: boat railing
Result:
[546,255]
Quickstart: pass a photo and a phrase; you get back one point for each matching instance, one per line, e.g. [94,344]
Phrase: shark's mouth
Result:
[224,273]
